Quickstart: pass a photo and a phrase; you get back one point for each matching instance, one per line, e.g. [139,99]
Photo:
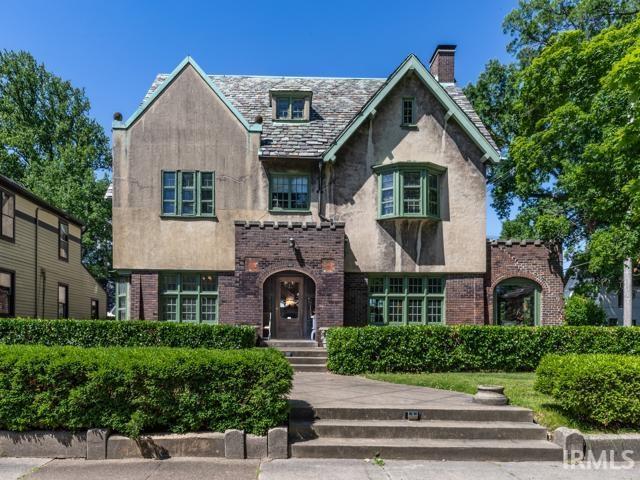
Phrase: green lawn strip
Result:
[517,386]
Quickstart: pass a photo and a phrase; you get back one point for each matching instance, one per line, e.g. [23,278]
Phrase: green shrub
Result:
[580,311]
[600,389]
[135,390]
[106,333]
[356,350]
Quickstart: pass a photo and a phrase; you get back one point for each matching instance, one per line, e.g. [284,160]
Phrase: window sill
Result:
[409,126]
[189,217]
[432,218]
[290,212]
[8,239]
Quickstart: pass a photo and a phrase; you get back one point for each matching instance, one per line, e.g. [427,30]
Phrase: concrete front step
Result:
[434,429]
[465,413]
[304,352]
[307,360]
[291,343]
[428,449]
[306,367]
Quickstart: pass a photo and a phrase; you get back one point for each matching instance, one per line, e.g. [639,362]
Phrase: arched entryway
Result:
[517,301]
[289,305]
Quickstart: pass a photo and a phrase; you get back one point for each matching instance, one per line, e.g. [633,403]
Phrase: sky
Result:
[113,49]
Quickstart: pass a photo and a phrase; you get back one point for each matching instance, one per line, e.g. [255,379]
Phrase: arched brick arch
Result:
[275,269]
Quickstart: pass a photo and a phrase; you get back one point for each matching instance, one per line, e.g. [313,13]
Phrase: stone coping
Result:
[100,444]
[289,225]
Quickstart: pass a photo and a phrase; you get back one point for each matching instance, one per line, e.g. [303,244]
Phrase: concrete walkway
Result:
[296,469]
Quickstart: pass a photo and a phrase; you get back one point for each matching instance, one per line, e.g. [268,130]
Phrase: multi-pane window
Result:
[122,298]
[189,297]
[408,191]
[290,108]
[8,214]
[63,301]
[406,300]
[7,293]
[289,192]
[188,194]
[63,241]
[95,309]
[408,113]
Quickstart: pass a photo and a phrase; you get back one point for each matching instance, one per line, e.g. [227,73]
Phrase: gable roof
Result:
[338,105]
[152,95]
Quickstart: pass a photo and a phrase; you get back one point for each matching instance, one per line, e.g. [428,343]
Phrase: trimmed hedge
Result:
[111,333]
[356,350]
[601,389]
[135,390]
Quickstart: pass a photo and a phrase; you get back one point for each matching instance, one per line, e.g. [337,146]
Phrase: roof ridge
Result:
[240,75]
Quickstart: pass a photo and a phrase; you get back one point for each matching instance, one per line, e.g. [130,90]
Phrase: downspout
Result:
[320,183]
[35,272]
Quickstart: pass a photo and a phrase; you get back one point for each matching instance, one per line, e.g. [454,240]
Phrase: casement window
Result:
[188,194]
[408,191]
[289,192]
[406,300]
[63,300]
[95,309]
[8,214]
[291,108]
[122,298]
[7,293]
[63,240]
[189,297]
[408,111]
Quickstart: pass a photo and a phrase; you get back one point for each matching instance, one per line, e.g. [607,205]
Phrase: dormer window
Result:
[291,106]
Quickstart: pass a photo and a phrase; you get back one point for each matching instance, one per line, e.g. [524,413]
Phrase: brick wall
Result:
[262,249]
[535,261]
[143,301]
[465,302]
[356,294]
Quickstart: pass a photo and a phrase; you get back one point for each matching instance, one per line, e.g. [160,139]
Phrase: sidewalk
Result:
[294,469]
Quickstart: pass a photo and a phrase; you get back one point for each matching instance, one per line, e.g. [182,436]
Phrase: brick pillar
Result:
[143,301]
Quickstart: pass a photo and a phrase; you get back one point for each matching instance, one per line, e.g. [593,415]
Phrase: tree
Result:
[49,143]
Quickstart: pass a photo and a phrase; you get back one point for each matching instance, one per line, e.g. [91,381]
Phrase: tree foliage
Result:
[50,144]
[568,126]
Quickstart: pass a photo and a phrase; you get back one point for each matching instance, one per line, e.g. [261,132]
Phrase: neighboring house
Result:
[41,272]
[277,201]
[612,302]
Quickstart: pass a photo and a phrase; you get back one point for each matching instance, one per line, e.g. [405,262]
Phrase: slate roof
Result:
[335,102]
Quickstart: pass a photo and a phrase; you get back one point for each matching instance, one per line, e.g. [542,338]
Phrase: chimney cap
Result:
[443,47]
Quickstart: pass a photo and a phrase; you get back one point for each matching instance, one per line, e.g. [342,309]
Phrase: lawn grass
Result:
[518,387]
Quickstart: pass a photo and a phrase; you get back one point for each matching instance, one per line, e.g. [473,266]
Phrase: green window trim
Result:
[188,194]
[283,187]
[523,283]
[408,191]
[185,297]
[406,300]
[408,112]
[122,299]
[296,108]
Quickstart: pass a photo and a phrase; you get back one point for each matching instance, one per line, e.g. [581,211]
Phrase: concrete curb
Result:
[612,447]
[99,444]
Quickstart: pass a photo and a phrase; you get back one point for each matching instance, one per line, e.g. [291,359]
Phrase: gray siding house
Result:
[298,203]
[41,271]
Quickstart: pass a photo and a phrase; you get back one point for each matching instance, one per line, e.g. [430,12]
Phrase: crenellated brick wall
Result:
[533,260]
[262,249]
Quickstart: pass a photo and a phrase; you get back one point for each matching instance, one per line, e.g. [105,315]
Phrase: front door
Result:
[290,312]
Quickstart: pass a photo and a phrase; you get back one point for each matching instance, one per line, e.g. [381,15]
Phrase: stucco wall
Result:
[457,242]
[188,128]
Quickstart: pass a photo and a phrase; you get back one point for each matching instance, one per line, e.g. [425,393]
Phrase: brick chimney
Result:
[442,63]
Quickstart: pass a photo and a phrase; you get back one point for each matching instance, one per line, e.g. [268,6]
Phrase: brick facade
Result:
[263,249]
[143,292]
[465,302]
[356,297]
[535,261]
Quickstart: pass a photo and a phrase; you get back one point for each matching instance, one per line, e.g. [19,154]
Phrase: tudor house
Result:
[299,203]
[41,270]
